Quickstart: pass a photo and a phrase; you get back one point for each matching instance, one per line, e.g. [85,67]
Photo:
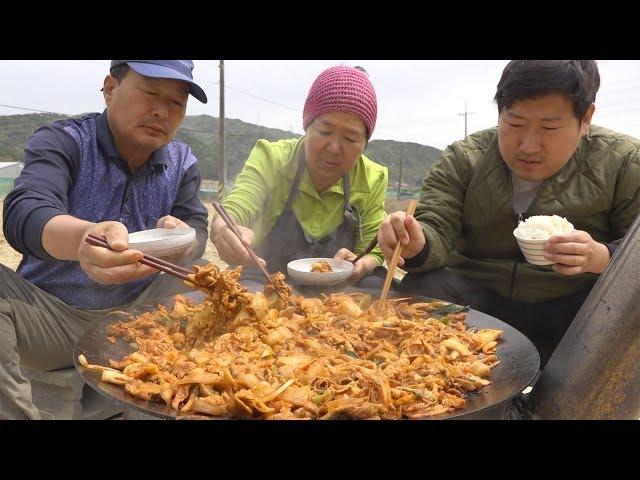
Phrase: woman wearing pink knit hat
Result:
[315,196]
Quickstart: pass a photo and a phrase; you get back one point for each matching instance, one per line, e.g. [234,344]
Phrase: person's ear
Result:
[110,83]
[586,120]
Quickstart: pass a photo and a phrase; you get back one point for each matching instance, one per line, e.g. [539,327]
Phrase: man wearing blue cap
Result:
[109,174]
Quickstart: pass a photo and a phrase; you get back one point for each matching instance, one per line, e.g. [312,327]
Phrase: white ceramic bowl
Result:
[300,271]
[162,242]
[533,250]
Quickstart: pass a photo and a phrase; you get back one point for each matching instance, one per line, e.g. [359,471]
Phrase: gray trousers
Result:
[40,331]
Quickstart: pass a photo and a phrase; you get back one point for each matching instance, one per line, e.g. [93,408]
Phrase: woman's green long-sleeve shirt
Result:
[260,194]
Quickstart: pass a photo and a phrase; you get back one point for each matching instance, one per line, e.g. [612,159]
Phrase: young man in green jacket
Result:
[544,158]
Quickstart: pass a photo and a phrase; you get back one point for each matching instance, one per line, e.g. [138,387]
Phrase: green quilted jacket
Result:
[466,210]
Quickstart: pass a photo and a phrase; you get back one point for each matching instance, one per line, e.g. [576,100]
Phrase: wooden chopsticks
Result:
[394,259]
[157,263]
[228,219]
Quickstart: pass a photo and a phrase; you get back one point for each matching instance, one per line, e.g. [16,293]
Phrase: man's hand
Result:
[111,267]
[229,247]
[169,221]
[399,225]
[576,252]
[362,267]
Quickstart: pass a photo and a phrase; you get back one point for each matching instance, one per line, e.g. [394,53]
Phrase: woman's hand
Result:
[362,267]
[229,246]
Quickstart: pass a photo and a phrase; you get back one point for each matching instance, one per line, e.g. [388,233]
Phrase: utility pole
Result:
[222,164]
[465,115]
[400,175]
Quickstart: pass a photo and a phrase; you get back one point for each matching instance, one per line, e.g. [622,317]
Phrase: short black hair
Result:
[578,80]
[119,71]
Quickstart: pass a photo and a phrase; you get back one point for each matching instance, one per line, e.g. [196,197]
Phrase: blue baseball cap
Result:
[174,69]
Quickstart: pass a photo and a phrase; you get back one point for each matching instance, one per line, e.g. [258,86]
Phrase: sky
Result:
[420,101]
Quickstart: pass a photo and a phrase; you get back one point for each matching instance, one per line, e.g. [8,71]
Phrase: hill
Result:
[201,133]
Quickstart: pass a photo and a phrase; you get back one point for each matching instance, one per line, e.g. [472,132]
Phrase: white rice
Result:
[541,227]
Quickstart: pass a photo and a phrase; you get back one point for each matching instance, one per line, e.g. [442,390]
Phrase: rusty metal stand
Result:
[594,373]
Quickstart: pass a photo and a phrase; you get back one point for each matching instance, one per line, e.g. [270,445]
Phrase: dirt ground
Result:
[11,258]
[8,256]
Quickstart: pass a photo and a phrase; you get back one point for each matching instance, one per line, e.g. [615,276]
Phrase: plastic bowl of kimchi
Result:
[162,242]
[314,271]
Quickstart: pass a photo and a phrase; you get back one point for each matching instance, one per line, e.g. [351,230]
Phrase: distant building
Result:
[10,169]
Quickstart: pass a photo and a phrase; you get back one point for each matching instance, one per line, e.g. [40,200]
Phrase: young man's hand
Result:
[111,267]
[576,252]
[399,225]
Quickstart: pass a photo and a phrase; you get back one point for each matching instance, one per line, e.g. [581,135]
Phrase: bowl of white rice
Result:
[535,231]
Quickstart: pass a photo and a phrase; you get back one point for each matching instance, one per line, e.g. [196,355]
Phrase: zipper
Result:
[520,217]
[524,215]
[514,271]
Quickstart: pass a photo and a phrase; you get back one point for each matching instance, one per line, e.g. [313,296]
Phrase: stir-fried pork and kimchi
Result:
[321,267]
[275,355]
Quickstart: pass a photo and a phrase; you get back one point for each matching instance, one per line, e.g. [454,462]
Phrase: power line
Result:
[256,96]
[34,123]
[216,132]
[31,109]
[241,91]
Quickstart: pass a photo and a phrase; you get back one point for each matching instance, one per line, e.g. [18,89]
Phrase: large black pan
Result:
[519,363]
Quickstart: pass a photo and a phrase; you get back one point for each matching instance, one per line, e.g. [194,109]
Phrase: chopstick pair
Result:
[372,244]
[370,247]
[394,259]
[228,219]
[157,263]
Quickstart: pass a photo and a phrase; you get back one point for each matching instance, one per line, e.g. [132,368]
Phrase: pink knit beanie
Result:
[342,89]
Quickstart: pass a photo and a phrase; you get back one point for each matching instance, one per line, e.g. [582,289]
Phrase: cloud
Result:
[418,100]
